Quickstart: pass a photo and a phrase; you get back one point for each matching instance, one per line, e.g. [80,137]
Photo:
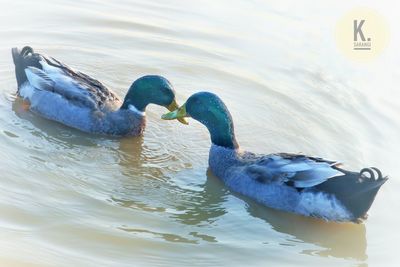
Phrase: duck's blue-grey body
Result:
[93,119]
[250,175]
[58,93]
[70,97]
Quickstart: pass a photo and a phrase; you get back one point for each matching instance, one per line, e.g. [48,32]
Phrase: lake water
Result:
[73,199]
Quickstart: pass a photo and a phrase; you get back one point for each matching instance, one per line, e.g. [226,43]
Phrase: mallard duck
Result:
[297,183]
[56,92]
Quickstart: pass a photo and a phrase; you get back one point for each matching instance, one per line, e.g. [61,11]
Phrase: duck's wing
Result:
[88,86]
[296,170]
[47,73]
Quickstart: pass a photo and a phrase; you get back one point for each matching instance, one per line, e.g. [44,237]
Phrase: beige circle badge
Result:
[362,34]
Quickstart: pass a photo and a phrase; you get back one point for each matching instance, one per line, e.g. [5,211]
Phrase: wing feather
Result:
[77,87]
[299,170]
[39,79]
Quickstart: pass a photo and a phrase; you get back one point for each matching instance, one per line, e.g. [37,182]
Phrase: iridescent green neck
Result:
[136,100]
[209,109]
[222,133]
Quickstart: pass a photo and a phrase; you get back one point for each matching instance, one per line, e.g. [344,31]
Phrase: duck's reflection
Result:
[130,154]
[174,204]
[206,205]
[145,172]
[341,240]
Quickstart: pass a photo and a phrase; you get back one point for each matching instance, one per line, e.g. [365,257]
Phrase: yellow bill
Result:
[179,114]
[174,108]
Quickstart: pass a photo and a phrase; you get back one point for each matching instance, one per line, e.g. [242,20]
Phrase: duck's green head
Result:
[208,109]
[151,89]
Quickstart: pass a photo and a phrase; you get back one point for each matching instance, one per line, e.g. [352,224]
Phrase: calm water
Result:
[73,199]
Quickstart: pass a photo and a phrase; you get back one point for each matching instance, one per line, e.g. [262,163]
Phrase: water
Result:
[73,199]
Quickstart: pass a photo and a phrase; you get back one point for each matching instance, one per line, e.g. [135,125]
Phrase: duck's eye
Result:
[164,90]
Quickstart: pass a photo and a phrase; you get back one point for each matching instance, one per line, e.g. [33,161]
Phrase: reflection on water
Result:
[197,207]
[164,236]
[333,239]
[75,199]
[205,206]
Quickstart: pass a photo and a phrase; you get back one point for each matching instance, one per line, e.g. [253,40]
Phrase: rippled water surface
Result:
[73,199]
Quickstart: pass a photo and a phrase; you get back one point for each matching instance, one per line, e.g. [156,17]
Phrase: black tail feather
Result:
[19,66]
[356,191]
[23,59]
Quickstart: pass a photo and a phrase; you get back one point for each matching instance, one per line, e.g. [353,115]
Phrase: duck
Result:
[56,92]
[296,183]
